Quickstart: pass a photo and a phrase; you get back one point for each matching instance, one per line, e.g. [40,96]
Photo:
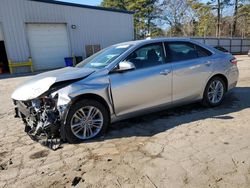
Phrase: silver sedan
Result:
[120,82]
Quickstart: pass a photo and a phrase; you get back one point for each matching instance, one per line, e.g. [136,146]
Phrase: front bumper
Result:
[21,109]
[44,129]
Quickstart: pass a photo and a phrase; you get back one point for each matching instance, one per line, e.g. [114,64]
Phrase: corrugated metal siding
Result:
[234,45]
[1,33]
[92,26]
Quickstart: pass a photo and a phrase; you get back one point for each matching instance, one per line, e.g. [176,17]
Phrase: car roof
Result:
[148,41]
[139,43]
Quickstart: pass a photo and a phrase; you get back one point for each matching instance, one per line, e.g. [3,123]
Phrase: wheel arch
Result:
[66,134]
[223,77]
[92,96]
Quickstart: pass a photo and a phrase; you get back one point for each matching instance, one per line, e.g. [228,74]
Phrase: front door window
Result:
[147,56]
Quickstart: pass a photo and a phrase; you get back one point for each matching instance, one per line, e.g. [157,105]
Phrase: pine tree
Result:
[145,13]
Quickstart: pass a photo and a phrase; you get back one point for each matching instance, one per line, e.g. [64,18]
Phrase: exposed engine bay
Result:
[42,120]
[40,106]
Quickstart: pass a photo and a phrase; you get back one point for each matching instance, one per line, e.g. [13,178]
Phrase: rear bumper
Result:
[232,85]
[233,76]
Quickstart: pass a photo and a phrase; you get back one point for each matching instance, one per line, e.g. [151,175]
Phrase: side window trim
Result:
[167,52]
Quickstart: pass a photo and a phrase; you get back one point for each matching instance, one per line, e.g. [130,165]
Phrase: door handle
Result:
[165,72]
[208,63]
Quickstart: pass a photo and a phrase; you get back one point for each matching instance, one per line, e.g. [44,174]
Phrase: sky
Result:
[85,2]
[227,11]
[91,2]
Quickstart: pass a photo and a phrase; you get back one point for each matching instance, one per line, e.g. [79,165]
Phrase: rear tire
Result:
[214,92]
[86,119]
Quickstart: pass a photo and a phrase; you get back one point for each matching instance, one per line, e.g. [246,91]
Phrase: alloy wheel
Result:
[86,122]
[215,91]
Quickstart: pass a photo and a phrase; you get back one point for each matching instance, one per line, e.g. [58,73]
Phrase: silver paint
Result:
[134,92]
[87,122]
[215,92]
[40,83]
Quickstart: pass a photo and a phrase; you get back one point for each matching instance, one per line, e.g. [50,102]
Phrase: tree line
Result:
[187,18]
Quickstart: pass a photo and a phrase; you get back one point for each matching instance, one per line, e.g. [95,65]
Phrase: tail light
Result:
[234,61]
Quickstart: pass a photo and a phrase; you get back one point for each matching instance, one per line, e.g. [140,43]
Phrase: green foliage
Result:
[119,4]
[176,13]
[244,20]
[156,31]
[146,11]
[206,20]
[186,17]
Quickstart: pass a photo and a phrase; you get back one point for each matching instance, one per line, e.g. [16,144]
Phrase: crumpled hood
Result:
[40,83]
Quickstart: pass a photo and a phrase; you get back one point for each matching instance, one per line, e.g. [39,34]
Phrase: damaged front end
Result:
[42,119]
[42,106]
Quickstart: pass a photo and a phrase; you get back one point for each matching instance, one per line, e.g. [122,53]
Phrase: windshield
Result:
[104,57]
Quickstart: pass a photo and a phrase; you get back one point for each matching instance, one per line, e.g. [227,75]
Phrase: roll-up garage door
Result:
[48,45]
[1,32]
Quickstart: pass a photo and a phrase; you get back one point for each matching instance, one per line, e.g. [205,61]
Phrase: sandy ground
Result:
[190,146]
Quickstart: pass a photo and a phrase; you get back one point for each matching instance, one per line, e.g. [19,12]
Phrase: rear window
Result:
[202,52]
[221,49]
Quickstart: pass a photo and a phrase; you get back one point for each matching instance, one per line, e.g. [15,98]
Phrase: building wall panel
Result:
[1,32]
[92,26]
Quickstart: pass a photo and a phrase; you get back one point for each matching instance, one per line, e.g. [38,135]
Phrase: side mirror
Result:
[125,66]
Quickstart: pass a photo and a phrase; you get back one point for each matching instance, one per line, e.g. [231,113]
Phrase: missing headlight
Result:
[36,104]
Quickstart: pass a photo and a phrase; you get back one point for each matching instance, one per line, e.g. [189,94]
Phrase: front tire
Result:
[86,119]
[214,92]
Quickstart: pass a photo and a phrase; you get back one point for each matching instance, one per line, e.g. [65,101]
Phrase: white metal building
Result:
[48,31]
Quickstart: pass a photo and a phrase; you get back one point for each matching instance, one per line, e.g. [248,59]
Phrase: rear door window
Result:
[182,51]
